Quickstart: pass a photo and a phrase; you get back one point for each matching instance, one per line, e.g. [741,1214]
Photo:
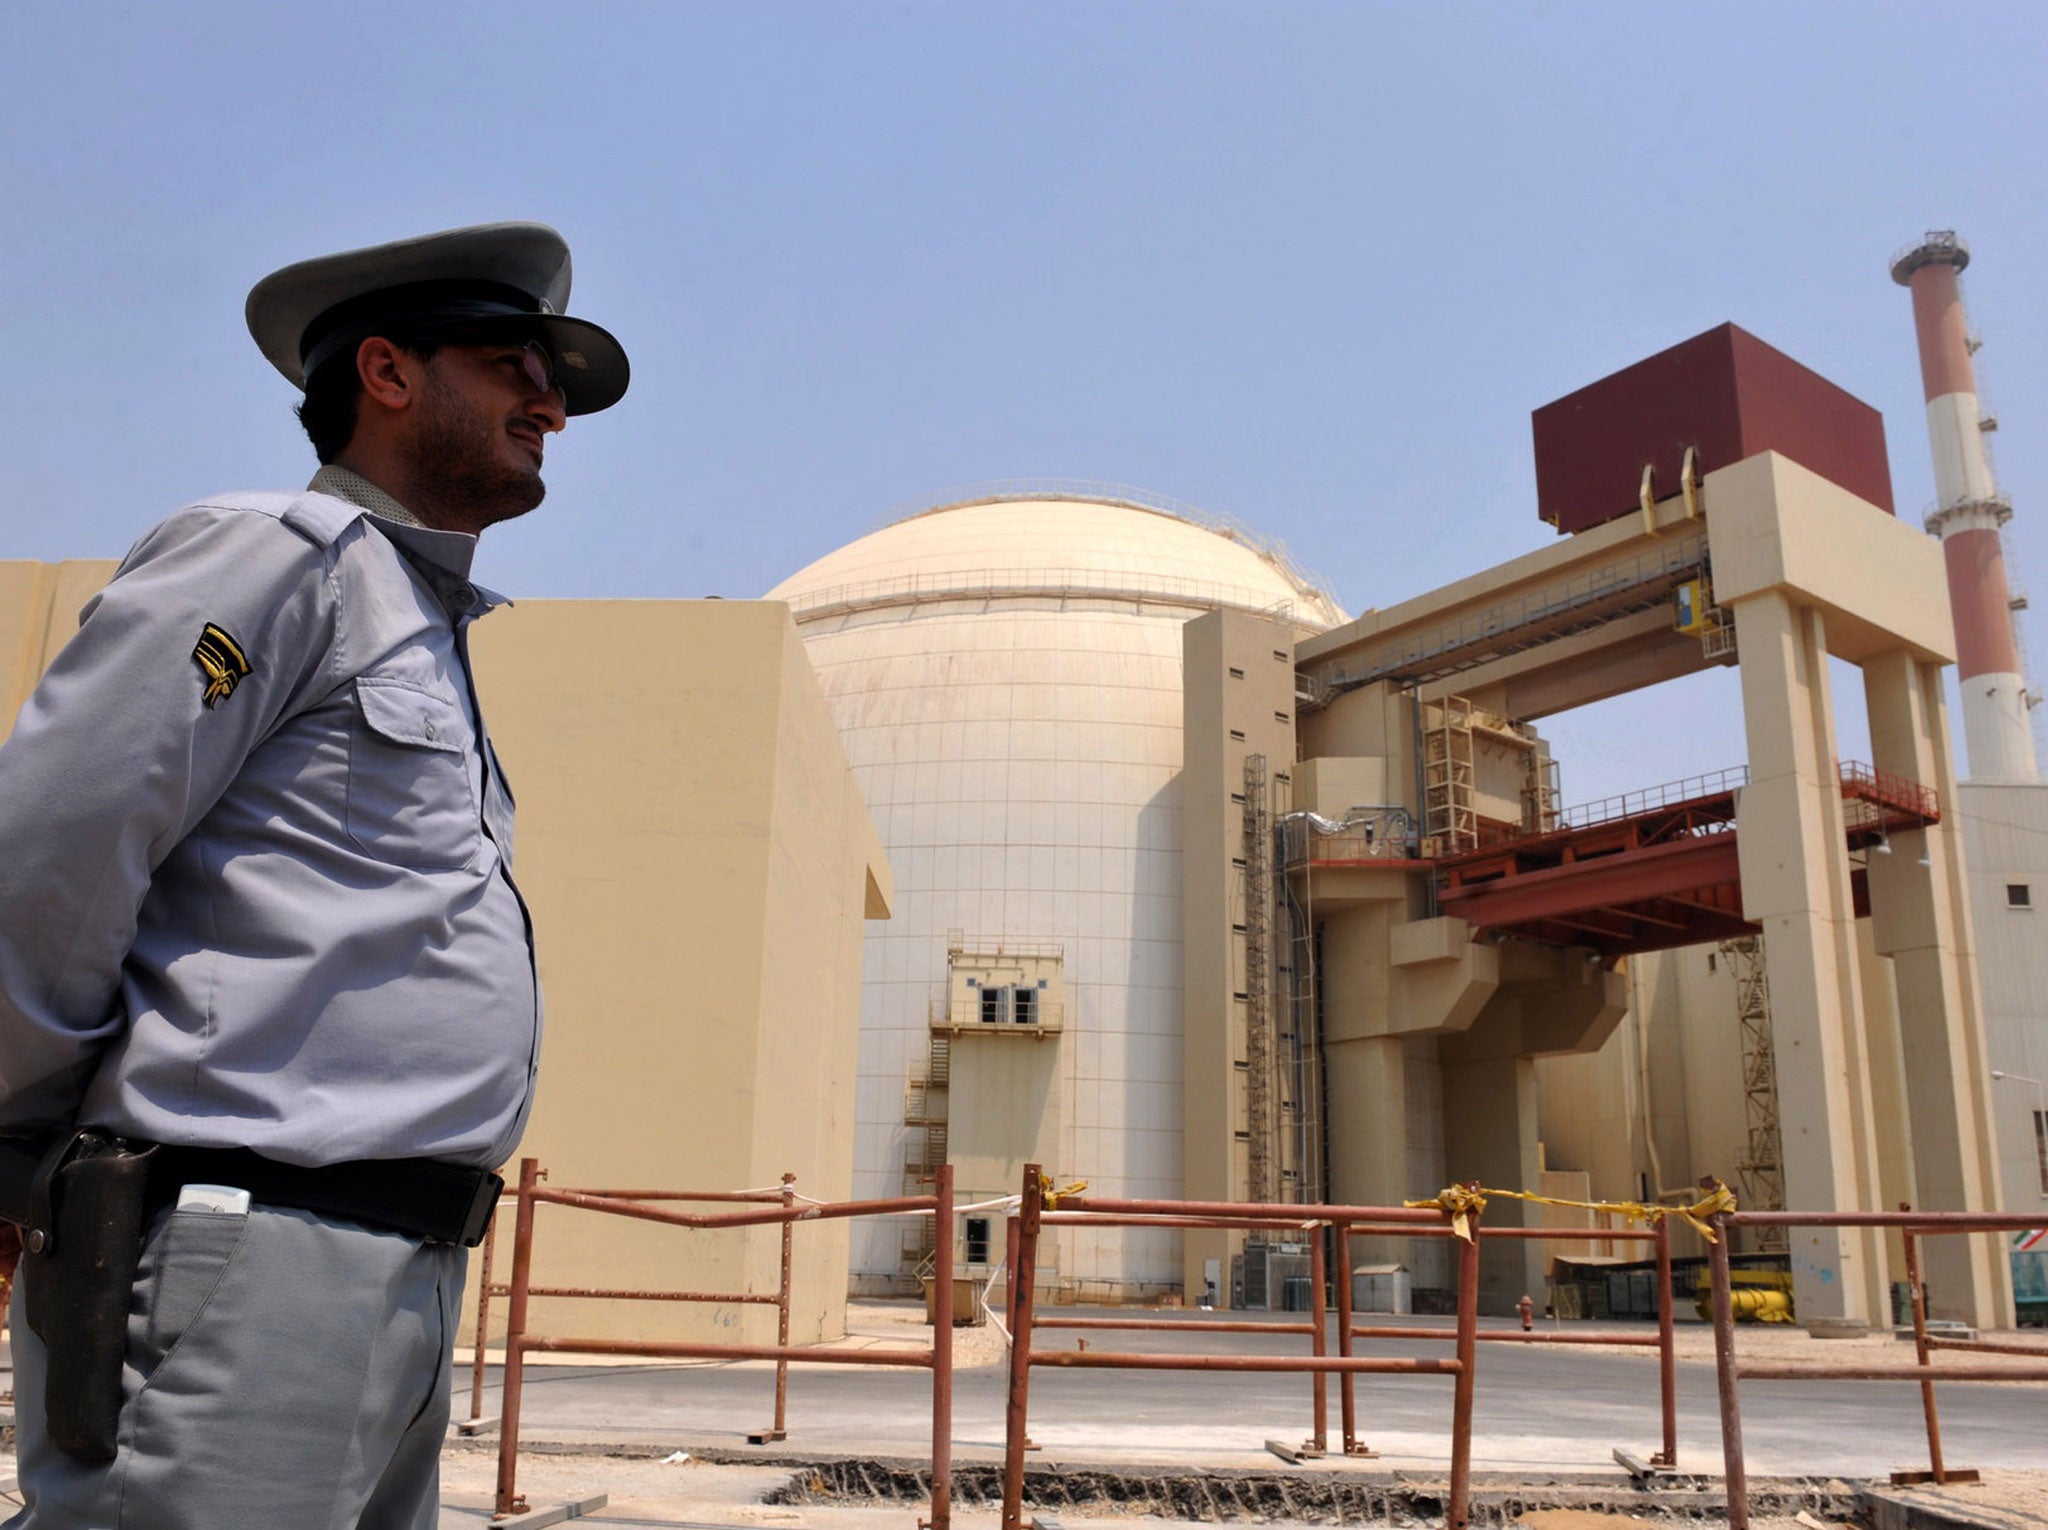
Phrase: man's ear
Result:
[390,376]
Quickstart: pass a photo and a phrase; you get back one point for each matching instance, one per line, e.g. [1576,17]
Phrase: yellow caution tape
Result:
[1464,1202]
[1051,1196]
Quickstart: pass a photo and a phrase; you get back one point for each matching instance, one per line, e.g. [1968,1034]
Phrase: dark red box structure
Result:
[1725,393]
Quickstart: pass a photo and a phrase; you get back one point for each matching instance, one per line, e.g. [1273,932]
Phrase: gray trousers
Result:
[284,1372]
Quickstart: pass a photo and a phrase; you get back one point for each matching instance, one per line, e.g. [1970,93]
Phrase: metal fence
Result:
[1034,1214]
[642,1206]
[1912,1226]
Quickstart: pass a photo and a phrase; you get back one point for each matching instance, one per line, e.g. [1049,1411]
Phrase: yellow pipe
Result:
[1751,1304]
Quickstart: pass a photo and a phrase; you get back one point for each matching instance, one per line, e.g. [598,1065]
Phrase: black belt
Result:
[420,1197]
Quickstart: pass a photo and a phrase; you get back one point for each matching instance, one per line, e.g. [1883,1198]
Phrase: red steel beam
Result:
[1658,871]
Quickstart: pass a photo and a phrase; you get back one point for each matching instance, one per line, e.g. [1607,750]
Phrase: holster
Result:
[81,1243]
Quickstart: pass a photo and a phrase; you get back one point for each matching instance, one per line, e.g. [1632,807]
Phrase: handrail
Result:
[1411,658]
[1037,583]
[1037,1209]
[1912,1226]
[1665,1342]
[519,1342]
[1650,799]
[998,491]
[1859,783]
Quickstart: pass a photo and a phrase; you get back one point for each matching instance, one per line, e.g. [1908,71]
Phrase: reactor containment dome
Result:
[1005,673]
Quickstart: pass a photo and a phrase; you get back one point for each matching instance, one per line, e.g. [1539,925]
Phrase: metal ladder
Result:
[1447,775]
[1258,980]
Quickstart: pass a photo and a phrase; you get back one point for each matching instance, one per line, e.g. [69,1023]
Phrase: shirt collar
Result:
[443,557]
[346,483]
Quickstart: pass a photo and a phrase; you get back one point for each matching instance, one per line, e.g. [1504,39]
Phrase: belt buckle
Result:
[483,1204]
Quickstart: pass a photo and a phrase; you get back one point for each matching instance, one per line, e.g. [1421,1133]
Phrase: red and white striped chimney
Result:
[1968,512]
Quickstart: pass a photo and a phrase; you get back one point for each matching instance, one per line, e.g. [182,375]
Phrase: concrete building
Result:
[1807,570]
[2005,837]
[1006,675]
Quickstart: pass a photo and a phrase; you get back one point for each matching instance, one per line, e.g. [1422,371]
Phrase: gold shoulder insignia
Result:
[221,660]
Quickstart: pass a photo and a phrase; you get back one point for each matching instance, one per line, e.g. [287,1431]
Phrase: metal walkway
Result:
[1652,869]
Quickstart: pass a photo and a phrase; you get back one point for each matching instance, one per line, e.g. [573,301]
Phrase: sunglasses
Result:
[539,366]
[535,359]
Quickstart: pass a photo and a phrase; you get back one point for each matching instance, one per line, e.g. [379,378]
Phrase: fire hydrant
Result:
[1528,1309]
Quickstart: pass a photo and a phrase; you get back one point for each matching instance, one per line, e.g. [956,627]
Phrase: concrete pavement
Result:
[1550,1414]
[1550,1408]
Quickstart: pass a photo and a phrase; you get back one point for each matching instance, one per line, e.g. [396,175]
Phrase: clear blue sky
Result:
[1311,265]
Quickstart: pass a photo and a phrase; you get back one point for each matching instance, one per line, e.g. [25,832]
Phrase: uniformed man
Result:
[258,927]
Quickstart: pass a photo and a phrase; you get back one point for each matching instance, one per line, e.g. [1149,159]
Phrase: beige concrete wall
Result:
[1004,1112]
[698,864]
[1502,761]
[2005,829]
[1007,1080]
[1238,700]
[1333,786]
[1661,1103]
[39,606]
[1375,723]
[1489,1085]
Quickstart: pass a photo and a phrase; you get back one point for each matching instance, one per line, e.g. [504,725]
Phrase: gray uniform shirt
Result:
[279,914]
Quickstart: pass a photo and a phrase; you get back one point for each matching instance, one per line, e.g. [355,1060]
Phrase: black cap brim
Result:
[590,364]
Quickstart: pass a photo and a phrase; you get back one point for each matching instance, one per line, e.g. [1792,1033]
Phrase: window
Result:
[2019,895]
[992,1006]
[1280,654]
[2041,1146]
[1282,718]
[1236,673]
[1024,1006]
[977,1240]
[1238,734]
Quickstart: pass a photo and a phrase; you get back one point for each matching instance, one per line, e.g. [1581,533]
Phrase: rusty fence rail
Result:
[783,1212]
[487,1289]
[1912,1226]
[1034,1214]
[1664,1341]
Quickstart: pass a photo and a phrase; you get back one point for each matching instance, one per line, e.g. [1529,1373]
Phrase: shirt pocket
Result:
[410,798]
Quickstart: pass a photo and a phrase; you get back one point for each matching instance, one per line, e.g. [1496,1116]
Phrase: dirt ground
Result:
[652,1492]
